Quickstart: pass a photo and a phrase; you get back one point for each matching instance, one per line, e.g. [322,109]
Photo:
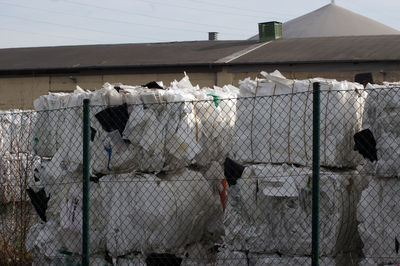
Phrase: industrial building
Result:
[330,42]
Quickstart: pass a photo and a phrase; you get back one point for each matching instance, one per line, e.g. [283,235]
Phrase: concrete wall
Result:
[19,92]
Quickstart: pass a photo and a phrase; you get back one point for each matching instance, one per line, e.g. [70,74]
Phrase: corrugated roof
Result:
[326,49]
[332,20]
[207,53]
[119,55]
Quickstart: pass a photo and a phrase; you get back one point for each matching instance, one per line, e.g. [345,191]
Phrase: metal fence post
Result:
[86,180]
[315,173]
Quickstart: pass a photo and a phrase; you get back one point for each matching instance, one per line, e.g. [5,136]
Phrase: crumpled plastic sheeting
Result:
[277,126]
[53,176]
[170,128]
[146,213]
[368,262]
[198,254]
[382,117]
[59,118]
[70,233]
[217,122]
[65,207]
[228,257]
[16,131]
[16,173]
[48,127]
[269,210]
[379,215]
[42,241]
[190,128]
[171,132]
[63,230]
[272,260]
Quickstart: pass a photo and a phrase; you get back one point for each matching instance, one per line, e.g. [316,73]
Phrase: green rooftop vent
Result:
[268,31]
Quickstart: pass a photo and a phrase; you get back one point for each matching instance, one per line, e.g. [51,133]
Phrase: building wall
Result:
[19,92]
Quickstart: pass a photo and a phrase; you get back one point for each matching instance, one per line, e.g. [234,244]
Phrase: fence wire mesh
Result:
[221,182]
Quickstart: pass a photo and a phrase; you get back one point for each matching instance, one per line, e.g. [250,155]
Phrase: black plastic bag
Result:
[113,118]
[365,144]
[233,171]
[39,201]
[164,259]
[153,85]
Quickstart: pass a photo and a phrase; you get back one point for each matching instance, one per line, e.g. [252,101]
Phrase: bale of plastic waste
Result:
[379,214]
[59,117]
[382,118]
[184,123]
[46,249]
[57,198]
[269,210]
[140,128]
[163,215]
[42,242]
[47,128]
[216,110]
[70,231]
[168,133]
[16,131]
[63,233]
[276,126]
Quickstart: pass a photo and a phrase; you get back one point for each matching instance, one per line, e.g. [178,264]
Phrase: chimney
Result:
[213,36]
[268,31]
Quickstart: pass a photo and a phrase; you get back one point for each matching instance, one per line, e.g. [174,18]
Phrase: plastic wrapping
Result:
[146,213]
[379,214]
[167,129]
[16,131]
[63,230]
[228,257]
[277,126]
[272,260]
[382,117]
[269,210]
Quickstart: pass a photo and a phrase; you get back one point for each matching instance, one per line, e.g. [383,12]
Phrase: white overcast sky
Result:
[27,23]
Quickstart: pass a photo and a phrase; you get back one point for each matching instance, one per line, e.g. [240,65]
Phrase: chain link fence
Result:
[226,181]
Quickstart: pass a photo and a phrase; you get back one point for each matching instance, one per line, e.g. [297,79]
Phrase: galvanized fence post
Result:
[86,180]
[315,173]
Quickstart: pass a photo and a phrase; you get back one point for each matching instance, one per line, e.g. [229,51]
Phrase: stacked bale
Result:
[269,207]
[151,190]
[17,163]
[274,123]
[378,210]
[156,157]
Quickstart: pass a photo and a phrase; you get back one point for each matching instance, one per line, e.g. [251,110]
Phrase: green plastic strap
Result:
[216,99]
